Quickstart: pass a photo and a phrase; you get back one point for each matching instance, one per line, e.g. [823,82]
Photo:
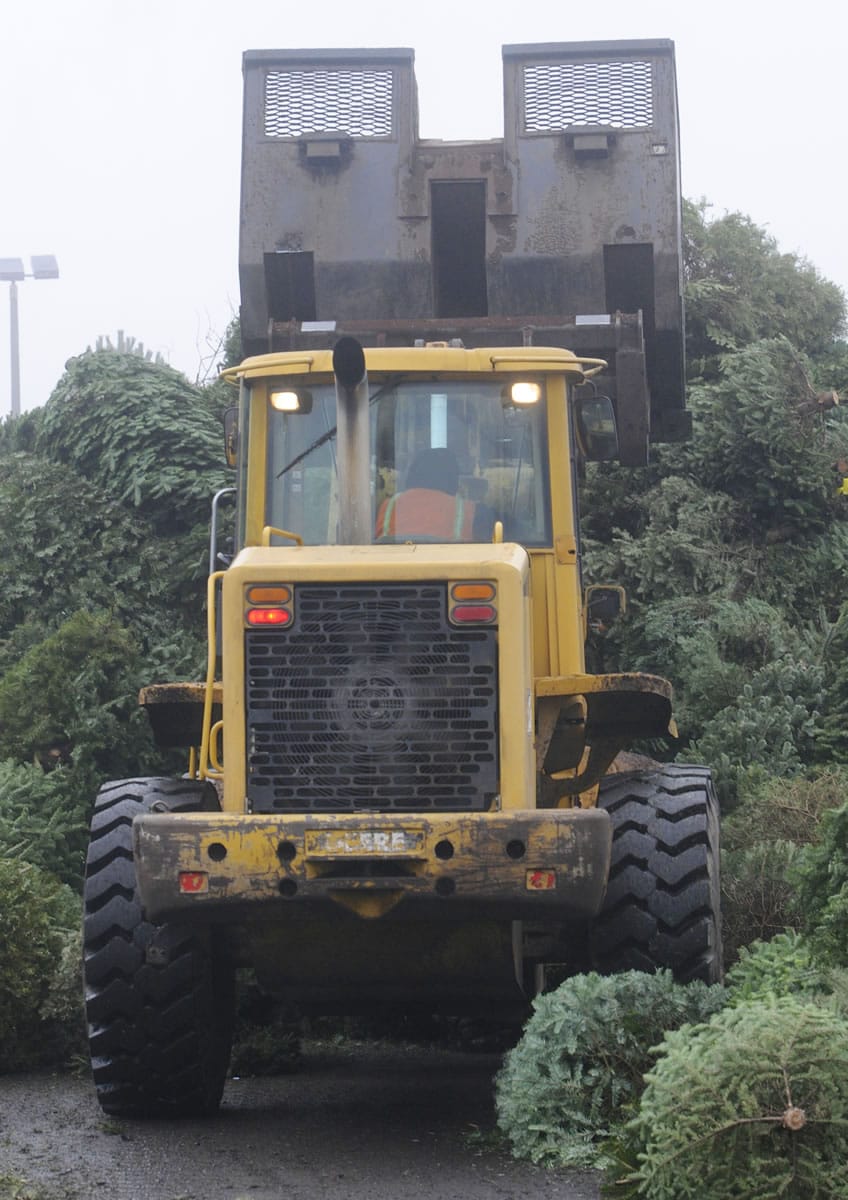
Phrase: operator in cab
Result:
[430,507]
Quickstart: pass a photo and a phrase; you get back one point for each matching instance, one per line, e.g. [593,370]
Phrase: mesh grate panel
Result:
[372,701]
[358,103]
[557,95]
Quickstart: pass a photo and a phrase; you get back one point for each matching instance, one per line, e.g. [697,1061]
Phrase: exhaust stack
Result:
[353,442]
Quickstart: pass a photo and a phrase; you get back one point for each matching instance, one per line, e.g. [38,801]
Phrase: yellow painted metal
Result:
[215,743]
[582,684]
[211,647]
[609,712]
[558,646]
[248,857]
[543,617]
[540,606]
[429,359]
[507,565]
[539,357]
[256,397]
[252,843]
[268,531]
[541,624]
[310,892]
[565,550]
[261,367]
[369,905]
[565,601]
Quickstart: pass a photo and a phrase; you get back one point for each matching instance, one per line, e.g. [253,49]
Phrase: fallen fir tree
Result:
[752,1104]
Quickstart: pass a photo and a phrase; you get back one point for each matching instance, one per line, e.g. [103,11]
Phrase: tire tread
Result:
[159,1031]
[662,908]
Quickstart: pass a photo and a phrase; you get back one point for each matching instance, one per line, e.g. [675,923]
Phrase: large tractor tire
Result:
[662,907]
[159,998]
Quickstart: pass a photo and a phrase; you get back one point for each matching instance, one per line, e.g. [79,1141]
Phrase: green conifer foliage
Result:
[68,546]
[60,695]
[832,737]
[141,433]
[44,818]
[762,846]
[823,888]
[581,1059]
[35,912]
[751,1106]
[761,439]
[784,966]
[740,288]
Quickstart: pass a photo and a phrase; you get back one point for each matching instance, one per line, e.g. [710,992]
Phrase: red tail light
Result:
[268,616]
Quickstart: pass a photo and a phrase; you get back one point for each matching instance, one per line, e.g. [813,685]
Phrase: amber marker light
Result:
[269,595]
[193,883]
[473,591]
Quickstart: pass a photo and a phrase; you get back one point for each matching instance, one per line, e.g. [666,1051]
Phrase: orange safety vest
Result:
[424,512]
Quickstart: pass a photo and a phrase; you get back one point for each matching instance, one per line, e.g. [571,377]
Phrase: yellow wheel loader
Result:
[401,791]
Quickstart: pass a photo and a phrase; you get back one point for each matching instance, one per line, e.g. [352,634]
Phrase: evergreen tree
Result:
[740,289]
[832,734]
[140,433]
[752,1104]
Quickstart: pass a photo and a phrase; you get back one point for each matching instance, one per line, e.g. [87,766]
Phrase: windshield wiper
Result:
[331,433]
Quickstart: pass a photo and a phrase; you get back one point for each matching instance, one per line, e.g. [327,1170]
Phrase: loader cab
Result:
[448,458]
[455,456]
[465,447]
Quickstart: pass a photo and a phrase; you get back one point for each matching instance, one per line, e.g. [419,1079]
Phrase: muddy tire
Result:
[159,998]
[662,907]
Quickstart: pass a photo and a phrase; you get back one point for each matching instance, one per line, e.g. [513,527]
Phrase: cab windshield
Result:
[448,460]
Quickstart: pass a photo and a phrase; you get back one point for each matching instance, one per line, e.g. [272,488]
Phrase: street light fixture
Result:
[44,266]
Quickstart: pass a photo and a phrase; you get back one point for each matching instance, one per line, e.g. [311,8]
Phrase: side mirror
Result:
[604,604]
[597,431]
[231,436]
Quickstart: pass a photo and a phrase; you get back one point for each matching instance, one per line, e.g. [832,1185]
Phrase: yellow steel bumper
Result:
[517,865]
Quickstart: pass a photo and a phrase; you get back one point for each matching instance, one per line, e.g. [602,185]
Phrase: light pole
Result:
[44,266]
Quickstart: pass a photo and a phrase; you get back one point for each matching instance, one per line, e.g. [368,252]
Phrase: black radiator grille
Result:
[371,701]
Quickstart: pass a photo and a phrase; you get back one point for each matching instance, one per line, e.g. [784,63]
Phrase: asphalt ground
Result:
[354,1120]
